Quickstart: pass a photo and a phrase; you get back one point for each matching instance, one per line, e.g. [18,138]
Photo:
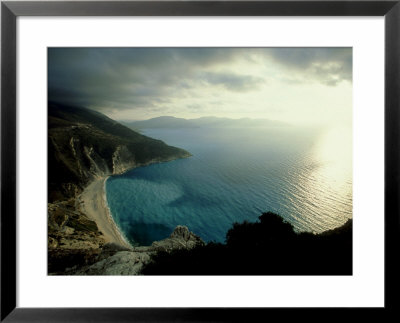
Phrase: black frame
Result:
[10,10]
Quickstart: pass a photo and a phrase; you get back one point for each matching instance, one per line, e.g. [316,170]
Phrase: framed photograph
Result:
[198,161]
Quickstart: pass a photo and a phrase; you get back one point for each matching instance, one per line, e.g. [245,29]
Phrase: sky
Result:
[294,85]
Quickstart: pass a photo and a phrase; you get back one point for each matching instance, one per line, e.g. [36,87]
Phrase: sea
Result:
[234,175]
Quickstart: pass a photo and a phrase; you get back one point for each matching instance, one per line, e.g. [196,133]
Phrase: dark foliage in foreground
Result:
[267,247]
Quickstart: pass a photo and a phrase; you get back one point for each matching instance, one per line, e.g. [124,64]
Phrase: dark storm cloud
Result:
[129,78]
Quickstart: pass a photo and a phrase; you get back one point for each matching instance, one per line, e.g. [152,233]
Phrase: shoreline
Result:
[95,206]
[93,203]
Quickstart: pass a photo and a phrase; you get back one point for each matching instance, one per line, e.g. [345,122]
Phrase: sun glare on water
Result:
[334,150]
[324,186]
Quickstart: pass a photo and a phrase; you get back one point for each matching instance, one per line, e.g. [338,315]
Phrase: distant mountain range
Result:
[206,122]
[84,144]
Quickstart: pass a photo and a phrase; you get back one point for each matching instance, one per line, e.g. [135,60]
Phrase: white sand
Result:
[96,208]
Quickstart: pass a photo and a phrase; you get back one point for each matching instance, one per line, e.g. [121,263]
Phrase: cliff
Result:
[84,144]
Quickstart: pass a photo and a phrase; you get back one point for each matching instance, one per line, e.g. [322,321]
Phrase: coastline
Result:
[94,205]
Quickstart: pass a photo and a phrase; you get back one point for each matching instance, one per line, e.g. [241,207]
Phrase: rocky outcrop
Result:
[121,263]
[117,260]
[73,239]
[180,238]
[71,229]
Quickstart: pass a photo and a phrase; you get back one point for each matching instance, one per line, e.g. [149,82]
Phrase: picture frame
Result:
[11,10]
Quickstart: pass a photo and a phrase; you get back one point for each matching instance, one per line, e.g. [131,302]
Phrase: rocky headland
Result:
[85,145]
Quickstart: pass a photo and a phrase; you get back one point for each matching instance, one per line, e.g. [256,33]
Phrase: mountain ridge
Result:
[207,121]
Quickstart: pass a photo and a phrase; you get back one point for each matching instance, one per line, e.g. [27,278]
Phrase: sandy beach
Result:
[95,207]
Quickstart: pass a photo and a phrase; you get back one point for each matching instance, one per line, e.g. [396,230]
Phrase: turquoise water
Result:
[236,175]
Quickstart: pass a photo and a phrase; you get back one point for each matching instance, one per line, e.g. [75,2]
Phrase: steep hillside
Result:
[85,144]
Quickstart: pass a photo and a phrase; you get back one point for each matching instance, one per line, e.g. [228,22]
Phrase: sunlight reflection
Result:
[327,181]
[334,151]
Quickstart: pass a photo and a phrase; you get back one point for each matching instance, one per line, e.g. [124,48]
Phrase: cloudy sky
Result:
[295,85]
